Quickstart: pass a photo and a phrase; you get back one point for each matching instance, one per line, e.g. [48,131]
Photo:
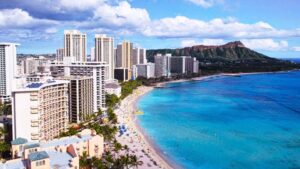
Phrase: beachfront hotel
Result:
[95,70]
[162,65]
[58,153]
[8,66]
[80,98]
[40,110]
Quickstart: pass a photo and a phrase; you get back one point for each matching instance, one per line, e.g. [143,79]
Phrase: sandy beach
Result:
[134,137]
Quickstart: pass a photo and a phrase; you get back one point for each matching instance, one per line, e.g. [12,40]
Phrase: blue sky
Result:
[268,26]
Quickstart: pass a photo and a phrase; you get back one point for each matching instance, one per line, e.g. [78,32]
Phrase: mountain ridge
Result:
[230,57]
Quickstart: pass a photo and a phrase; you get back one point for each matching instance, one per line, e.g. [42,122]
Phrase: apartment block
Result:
[40,110]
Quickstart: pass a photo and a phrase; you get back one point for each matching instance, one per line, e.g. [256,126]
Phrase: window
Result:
[40,163]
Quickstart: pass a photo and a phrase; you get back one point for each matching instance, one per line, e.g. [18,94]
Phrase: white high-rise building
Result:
[162,65]
[8,69]
[90,69]
[75,45]
[40,110]
[146,70]
[104,52]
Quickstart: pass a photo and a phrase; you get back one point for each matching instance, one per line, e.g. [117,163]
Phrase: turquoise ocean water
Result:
[251,121]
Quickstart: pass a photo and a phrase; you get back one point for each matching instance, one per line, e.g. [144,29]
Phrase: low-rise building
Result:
[113,88]
[58,153]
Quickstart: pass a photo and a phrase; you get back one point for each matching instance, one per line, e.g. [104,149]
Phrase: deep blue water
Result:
[252,121]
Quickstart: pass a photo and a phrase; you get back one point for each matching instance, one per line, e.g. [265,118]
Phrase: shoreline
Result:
[138,141]
[126,114]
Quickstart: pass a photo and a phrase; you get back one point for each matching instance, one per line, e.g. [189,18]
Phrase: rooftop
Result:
[66,141]
[59,159]
[19,141]
[38,156]
[14,164]
[34,145]
[112,85]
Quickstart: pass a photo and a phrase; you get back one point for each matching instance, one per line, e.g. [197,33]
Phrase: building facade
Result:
[91,69]
[59,54]
[146,70]
[81,98]
[8,66]
[162,65]
[178,64]
[124,57]
[75,45]
[139,56]
[40,110]
[104,52]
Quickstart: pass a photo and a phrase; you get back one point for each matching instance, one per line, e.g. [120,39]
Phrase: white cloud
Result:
[296,48]
[207,42]
[203,3]
[80,5]
[17,18]
[183,27]
[266,44]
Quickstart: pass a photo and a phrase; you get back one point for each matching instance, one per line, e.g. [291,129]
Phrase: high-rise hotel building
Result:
[40,110]
[95,70]
[75,45]
[162,65]
[8,69]
[81,98]
[104,52]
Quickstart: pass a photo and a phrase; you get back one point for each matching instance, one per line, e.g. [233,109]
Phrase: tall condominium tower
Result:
[8,64]
[139,56]
[75,45]
[40,110]
[104,52]
[162,65]
[124,56]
